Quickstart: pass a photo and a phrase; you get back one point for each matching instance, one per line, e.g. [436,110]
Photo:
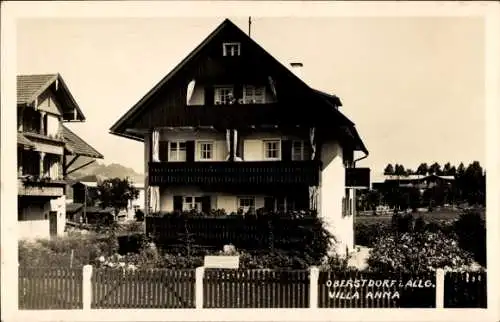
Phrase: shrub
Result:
[366,234]
[139,215]
[417,252]
[402,223]
[470,229]
[76,248]
[301,231]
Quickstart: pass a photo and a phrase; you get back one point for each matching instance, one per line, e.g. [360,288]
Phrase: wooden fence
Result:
[245,232]
[153,288]
[465,290]
[226,288]
[57,288]
[49,288]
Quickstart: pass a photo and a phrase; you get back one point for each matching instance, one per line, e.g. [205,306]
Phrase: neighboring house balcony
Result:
[235,173]
[39,173]
[45,187]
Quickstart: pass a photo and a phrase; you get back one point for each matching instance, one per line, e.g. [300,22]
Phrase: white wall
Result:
[219,140]
[253,144]
[332,190]
[52,125]
[34,221]
[35,217]
[33,229]
[225,201]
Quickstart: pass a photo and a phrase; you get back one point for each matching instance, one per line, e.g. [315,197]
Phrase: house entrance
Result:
[53,223]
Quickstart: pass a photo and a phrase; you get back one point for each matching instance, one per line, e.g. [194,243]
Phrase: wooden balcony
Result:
[53,188]
[235,173]
[357,177]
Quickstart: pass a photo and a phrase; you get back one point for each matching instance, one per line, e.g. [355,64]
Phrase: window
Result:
[253,94]
[223,95]
[299,151]
[206,150]
[247,204]
[177,151]
[191,203]
[231,49]
[272,150]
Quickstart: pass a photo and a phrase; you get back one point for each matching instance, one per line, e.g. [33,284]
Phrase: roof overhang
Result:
[71,110]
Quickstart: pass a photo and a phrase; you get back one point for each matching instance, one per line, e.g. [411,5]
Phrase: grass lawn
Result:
[432,216]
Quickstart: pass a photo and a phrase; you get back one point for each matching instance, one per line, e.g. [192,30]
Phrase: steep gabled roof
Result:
[29,87]
[328,100]
[76,145]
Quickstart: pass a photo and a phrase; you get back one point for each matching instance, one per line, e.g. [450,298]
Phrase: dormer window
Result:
[223,95]
[231,49]
[254,94]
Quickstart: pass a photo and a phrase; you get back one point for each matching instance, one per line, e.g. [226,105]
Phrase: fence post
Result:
[87,287]
[440,288]
[200,272]
[313,287]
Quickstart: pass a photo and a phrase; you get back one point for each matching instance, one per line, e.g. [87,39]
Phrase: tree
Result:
[373,198]
[435,168]
[399,170]
[446,169]
[389,170]
[422,169]
[452,171]
[415,198]
[116,193]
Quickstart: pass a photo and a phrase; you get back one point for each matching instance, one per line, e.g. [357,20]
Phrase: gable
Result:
[165,104]
[49,103]
[206,64]
[30,88]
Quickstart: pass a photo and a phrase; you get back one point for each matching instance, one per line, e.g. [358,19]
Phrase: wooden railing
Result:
[247,172]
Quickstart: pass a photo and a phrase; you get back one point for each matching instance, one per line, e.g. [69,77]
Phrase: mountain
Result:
[113,170]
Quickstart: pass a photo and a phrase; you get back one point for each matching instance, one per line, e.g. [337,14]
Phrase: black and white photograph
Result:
[262,160]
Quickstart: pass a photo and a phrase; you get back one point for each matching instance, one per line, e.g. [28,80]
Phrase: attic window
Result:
[231,49]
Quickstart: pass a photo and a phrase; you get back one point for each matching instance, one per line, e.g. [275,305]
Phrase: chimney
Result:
[297,69]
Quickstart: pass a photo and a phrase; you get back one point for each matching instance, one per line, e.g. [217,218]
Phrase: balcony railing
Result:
[251,172]
[34,186]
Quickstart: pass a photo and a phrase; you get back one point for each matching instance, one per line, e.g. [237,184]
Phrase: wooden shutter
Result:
[205,204]
[286,150]
[269,203]
[163,153]
[177,203]
[189,151]
[209,95]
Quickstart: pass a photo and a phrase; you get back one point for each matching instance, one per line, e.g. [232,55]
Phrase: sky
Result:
[414,87]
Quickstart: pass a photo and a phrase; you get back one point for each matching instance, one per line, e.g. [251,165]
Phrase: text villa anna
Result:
[232,128]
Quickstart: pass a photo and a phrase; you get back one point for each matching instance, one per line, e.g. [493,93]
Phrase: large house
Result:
[232,128]
[46,149]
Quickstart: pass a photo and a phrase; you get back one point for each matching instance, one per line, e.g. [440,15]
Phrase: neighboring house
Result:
[232,128]
[421,182]
[137,204]
[85,191]
[46,148]
[76,213]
